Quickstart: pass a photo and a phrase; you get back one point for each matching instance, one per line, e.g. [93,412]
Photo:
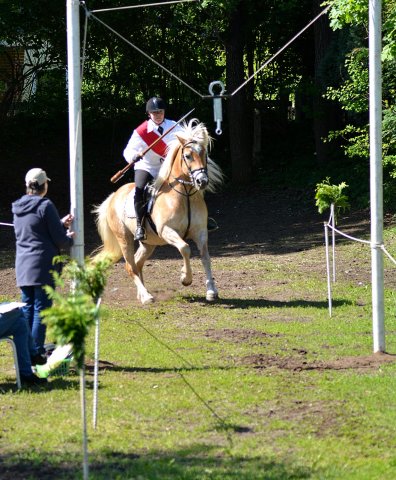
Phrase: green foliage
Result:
[327,194]
[352,93]
[72,314]
[346,12]
[90,278]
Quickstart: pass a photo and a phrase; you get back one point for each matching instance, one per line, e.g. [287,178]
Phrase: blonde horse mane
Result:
[193,131]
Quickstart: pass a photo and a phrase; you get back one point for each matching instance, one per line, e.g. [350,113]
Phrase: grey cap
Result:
[36,175]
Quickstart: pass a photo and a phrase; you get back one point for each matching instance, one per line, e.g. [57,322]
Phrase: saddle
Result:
[149,198]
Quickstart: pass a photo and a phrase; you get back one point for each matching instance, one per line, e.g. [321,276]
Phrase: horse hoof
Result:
[212,296]
[185,282]
[148,300]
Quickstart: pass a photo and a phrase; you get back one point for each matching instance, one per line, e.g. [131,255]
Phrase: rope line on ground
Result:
[189,366]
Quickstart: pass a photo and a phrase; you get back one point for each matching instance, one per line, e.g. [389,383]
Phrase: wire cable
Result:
[142,6]
[279,51]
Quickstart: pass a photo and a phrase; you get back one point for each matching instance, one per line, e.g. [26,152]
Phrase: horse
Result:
[179,211]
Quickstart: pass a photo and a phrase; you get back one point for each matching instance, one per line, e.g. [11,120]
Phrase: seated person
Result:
[13,324]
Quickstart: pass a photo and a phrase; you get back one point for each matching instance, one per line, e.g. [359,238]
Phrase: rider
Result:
[147,166]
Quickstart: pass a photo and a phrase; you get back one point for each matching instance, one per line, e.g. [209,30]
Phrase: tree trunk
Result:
[239,118]
[325,113]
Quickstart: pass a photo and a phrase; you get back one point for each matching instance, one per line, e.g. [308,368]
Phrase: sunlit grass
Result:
[248,388]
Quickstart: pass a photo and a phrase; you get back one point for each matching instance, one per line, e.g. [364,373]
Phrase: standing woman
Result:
[40,235]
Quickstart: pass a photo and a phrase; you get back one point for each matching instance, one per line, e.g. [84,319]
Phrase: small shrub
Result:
[327,194]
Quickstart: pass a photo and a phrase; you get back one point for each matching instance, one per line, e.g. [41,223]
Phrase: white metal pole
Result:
[376,193]
[96,365]
[333,240]
[75,135]
[326,229]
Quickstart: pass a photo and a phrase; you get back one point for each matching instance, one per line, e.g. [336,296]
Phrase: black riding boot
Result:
[140,209]
[140,232]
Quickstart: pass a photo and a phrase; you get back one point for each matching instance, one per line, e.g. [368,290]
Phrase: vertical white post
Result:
[96,366]
[75,154]
[376,194]
[75,127]
[333,239]
[326,228]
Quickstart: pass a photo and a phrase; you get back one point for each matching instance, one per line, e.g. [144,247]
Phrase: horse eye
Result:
[189,157]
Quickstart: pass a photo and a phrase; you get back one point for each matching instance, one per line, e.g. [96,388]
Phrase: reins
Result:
[185,184]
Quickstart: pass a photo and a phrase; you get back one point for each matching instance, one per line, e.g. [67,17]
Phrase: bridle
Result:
[190,173]
[189,192]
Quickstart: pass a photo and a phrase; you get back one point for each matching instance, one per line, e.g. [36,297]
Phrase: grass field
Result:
[261,385]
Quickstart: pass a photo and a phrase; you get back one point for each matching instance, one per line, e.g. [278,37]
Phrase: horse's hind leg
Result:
[211,290]
[126,242]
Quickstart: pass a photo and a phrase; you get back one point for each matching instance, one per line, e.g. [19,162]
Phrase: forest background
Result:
[302,118]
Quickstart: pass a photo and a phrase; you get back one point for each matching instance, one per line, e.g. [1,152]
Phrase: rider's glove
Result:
[136,158]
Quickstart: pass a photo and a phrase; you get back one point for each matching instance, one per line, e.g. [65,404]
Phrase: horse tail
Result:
[110,248]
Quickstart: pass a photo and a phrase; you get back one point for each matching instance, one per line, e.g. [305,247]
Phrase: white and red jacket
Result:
[142,137]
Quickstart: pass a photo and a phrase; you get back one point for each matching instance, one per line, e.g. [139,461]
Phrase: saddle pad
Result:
[130,205]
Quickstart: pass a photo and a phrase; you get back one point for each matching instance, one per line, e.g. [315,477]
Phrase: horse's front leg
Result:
[173,238]
[202,243]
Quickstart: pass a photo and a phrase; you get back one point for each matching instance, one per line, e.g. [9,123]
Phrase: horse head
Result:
[187,161]
[194,163]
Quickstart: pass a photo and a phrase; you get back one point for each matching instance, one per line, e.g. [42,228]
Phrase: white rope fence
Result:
[330,225]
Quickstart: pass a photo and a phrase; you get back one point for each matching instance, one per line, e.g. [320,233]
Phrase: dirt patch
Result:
[299,362]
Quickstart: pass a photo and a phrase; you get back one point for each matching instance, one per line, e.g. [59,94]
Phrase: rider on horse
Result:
[147,167]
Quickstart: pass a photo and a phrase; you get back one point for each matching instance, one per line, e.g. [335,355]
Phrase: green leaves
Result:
[327,194]
[72,314]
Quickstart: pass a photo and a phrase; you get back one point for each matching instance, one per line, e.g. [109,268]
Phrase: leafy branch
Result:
[71,315]
[327,194]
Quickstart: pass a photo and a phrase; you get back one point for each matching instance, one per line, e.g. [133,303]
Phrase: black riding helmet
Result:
[155,103]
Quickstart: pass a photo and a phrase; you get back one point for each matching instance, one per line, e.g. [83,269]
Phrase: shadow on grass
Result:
[197,462]
[244,303]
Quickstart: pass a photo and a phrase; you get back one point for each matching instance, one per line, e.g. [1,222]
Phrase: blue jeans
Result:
[36,300]
[13,324]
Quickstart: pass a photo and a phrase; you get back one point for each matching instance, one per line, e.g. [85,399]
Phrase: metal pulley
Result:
[217,106]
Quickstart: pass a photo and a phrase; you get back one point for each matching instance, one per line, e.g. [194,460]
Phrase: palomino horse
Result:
[179,211]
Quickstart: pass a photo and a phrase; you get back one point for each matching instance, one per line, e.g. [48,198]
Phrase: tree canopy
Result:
[318,85]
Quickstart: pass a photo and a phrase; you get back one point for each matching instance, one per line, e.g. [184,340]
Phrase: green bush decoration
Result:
[327,194]
[72,314]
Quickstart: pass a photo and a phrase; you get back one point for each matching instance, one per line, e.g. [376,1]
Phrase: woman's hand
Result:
[67,220]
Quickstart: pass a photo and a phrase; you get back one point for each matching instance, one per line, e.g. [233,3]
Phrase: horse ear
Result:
[181,139]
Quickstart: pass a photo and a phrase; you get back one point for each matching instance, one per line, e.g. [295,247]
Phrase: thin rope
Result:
[387,254]
[146,55]
[7,224]
[367,242]
[141,6]
[202,400]
[349,236]
[280,50]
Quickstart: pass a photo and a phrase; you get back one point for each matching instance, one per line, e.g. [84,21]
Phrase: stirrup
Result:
[212,225]
[140,233]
